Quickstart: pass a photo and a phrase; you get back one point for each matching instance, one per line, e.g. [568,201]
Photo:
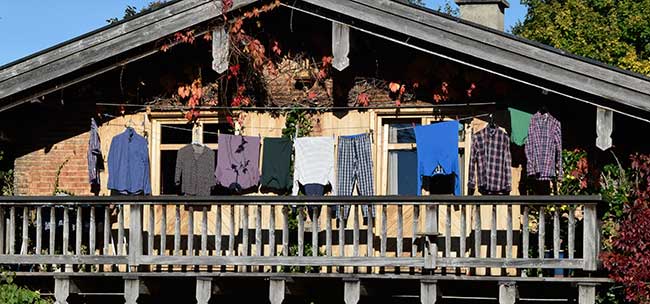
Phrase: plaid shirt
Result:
[490,159]
[544,147]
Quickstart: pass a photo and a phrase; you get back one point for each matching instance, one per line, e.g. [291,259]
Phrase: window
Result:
[397,158]
[172,134]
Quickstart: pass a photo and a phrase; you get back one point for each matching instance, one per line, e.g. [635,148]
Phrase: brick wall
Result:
[36,171]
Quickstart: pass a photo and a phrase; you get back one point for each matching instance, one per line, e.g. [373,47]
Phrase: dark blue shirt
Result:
[128,164]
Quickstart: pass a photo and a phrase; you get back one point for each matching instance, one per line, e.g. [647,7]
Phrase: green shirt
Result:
[519,122]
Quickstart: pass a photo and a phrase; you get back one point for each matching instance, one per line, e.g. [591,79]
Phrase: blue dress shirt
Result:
[128,164]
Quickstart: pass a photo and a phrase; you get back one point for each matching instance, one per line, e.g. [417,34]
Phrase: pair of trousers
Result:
[355,167]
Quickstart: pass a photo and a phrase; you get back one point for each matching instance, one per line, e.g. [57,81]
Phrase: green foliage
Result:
[616,32]
[297,120]
[417,2]
[10,293]
[57,189]
[131,11]
[574,165]
[6,180]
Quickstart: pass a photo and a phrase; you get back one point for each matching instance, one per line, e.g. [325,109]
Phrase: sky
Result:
[28,26]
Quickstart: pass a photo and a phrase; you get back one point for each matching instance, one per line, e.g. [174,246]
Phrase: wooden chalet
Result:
[431,248]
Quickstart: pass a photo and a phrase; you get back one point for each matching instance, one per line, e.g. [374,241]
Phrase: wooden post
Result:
[276,290]
[135,234]
[507,293]
[589,244]
[586,293]
[61,290]
[429,291]
[131,290]
[203,290]
[351,291]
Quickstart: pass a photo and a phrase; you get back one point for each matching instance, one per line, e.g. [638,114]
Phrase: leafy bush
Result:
[628,259]
[10,293]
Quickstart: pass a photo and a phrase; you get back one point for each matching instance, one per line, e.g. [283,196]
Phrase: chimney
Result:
[484,12]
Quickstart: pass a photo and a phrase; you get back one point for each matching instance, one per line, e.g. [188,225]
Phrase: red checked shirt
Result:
[544,147]
[490,162]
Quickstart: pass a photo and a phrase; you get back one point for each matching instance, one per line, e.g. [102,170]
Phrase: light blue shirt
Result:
[128,164]
[437,150]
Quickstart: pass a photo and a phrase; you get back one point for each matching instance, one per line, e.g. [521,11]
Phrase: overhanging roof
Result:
[481,47]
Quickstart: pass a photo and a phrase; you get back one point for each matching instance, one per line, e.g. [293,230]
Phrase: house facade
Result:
[328,69]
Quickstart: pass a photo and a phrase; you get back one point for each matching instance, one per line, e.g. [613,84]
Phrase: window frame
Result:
[157,146]
[383,146]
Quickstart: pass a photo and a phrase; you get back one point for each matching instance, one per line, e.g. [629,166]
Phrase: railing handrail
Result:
[302,200]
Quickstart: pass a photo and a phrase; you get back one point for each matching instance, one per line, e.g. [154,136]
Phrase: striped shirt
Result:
[314,162]
[544,147]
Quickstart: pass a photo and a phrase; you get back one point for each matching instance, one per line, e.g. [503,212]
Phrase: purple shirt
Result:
[238,162]
[544,147]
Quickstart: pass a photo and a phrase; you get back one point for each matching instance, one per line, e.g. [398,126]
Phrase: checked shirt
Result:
[490,162]
[544,147]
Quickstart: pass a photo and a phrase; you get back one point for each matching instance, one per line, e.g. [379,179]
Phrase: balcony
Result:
[423,238]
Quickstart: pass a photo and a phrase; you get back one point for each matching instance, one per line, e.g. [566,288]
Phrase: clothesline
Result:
[460,119]
[314,108]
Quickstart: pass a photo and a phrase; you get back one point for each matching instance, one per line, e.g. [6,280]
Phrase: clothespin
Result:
[372,136]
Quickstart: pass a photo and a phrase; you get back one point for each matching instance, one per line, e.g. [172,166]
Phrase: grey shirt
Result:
[194,170]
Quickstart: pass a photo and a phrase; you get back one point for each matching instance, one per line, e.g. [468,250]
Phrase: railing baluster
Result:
[190,231]
[107,229]
[572,231]
[272,249]
[66,230]
[371,236]
[217,231]
[258,231]
[285,231]
[25,232]
[177,231]
[314,231]
[477,231]
[556,232]
[384,230]
[120,230]
[355,232]
[416,224]
[493,232]
[244,227]
[78,230]
[341,230]
[39,230]
[52,230]
[400,230]
[92,232]
[3,237]
[163,230]
[448,231]
[231,236]
[541,234]
[301,230]
[152,229]
[204,232]
[12,230]
[463,231]
[509,232]
[328,230]
[525,234]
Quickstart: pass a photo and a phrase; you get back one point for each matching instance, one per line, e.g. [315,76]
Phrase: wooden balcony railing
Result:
[408,235]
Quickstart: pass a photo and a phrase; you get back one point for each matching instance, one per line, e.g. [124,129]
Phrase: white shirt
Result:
[313,161]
